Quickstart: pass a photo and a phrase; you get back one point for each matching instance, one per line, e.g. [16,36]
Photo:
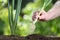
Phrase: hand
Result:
[44,16]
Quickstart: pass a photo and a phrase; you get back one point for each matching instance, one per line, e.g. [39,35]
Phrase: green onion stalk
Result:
[13,20]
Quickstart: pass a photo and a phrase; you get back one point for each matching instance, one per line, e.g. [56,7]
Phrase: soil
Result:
[30,37]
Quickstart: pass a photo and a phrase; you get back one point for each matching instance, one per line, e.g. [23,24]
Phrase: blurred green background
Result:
[23,29]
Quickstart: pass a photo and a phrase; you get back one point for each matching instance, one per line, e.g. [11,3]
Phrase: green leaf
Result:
[9,14]
[12,10]
[17,12]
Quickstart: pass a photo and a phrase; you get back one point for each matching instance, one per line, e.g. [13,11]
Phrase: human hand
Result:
[44,16]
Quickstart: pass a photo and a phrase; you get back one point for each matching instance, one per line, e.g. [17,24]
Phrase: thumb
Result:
[42,12]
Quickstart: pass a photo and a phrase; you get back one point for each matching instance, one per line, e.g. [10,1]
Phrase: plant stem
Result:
[12,9]
[12,27]
[17,12]
[9,16]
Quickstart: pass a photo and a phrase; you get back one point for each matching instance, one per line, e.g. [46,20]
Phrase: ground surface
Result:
[30,37]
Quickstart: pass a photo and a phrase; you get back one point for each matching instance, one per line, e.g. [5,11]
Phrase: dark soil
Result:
[30,37]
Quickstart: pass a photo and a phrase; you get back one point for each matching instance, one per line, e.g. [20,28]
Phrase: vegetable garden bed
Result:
[30,37]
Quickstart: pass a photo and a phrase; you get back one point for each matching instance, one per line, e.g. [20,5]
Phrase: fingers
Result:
[41,16]
[44,17]
[35,15]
